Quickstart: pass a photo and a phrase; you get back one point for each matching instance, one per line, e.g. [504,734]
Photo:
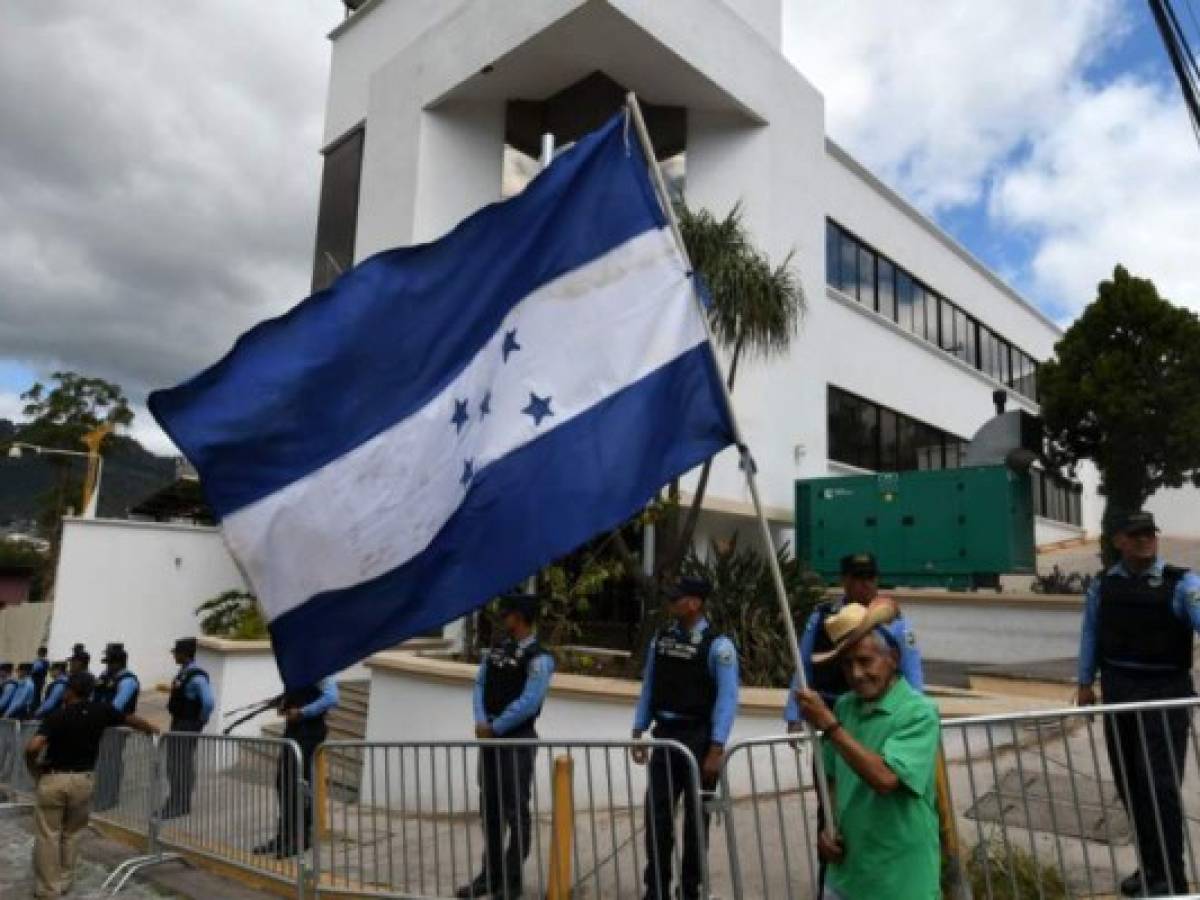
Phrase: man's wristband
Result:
[829,732]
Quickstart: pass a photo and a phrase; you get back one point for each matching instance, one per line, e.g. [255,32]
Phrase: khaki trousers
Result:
[61,814]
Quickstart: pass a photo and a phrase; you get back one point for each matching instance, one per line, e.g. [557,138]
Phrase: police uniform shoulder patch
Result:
[910,637]
[726,656]
[1193,596]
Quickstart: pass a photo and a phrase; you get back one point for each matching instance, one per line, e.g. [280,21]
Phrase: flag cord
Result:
[747,462]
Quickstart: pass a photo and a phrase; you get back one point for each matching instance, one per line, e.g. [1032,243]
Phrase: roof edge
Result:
[840,153]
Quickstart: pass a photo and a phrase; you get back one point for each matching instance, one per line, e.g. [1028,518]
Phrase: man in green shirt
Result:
[880,745]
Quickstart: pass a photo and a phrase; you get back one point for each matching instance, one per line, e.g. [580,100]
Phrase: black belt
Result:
[67,772]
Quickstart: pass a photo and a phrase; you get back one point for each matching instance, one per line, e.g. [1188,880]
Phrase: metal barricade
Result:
[9,756]
[567,818]
[1068,802]
[124,786]
[769,808]
[22,782]
[239,800]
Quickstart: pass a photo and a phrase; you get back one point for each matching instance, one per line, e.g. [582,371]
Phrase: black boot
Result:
[477,888]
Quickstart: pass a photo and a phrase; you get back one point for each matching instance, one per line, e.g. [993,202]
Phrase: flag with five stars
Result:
[447,418]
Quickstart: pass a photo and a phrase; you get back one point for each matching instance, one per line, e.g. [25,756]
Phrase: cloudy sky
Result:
[159,164]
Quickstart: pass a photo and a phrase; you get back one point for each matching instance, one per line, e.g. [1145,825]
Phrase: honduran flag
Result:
[447,418]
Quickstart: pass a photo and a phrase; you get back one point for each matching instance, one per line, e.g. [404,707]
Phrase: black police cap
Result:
[1134,522]
[114,653]
[525,604]
[700,588]
[862,565]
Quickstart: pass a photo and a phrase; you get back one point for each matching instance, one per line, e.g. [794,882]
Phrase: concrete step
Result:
[1051,680]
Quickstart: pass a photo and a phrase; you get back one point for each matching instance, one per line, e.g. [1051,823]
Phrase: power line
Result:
[1183,61]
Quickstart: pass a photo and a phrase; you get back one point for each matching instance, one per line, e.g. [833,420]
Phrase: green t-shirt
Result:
[891,840]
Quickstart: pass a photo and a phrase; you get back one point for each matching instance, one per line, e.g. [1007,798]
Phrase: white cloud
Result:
[159,171]
[956,105]
[1117,179]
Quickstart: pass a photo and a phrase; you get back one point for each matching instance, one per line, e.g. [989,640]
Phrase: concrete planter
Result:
[241,672]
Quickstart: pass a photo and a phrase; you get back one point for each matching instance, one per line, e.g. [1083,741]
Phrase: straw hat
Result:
[852,622]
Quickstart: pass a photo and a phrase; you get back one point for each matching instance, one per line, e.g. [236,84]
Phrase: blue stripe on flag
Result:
[527,508]
[302,390]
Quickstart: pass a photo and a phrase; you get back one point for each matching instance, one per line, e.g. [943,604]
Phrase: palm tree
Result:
[755,310]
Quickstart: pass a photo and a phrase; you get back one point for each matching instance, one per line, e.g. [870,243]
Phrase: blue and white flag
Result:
[447,418]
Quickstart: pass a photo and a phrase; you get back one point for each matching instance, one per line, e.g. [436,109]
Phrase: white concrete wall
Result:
[239,677]
[1177,511]
[22,630]
[138,583]
[400,711]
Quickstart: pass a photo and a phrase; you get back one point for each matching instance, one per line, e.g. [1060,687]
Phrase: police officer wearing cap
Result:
[22,702]
[510,688]
[304,711]
[190,705]
[54,691]
[690,693]
[1138,625]
[80,661]
[41,668]
[860,584]
[119,688]
[8,685]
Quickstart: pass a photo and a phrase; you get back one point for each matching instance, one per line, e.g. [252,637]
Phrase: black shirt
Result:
[73,735]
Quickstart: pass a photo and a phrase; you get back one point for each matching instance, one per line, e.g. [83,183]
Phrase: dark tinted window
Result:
[866,278]
[337,218]
[860,272]
[870,436]
[887,289]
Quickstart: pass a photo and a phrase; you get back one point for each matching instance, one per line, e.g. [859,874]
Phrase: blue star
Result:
[510,344]
[460,415]
[539,408]
[468,472]
[485,405]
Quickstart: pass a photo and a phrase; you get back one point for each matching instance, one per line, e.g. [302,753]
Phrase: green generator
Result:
[954,528]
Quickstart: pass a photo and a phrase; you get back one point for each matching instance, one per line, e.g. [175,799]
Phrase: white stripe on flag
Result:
[583,337]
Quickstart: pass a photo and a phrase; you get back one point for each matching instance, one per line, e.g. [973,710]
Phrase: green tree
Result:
[755,311]
[1124,391]
[60,415]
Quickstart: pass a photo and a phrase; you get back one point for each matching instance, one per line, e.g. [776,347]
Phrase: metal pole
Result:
[747,462]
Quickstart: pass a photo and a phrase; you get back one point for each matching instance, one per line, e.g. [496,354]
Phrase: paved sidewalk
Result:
[100,856]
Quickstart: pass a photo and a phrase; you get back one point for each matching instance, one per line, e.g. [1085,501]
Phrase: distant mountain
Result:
[131,474]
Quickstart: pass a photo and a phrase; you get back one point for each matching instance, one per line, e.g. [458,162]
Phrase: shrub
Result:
[233,614]
[1013,874]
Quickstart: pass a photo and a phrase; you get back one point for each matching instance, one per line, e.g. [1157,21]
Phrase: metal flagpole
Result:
[747,461]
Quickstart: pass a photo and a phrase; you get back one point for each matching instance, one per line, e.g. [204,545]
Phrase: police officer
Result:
[1138,623]
[304,709]
[119,688]
[690,693]
[510,689]
[8,685]
[79,661]
[860,584]
[190,705]
[21,702]
[54,693]
[41,667]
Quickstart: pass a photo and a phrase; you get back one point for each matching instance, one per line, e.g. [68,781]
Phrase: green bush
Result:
[233,614]
[744,606]
[1006,868]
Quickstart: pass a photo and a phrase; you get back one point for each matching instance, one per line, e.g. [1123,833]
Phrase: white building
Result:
[906,336]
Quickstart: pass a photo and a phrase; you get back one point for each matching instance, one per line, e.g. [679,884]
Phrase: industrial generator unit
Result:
[955,528]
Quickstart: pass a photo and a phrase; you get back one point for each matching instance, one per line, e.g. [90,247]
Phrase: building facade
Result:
[434,108]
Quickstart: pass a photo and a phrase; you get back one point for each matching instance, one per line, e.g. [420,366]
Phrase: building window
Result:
[859,271]
[869,436]
[887,290]
[1056,498]
[337,217]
